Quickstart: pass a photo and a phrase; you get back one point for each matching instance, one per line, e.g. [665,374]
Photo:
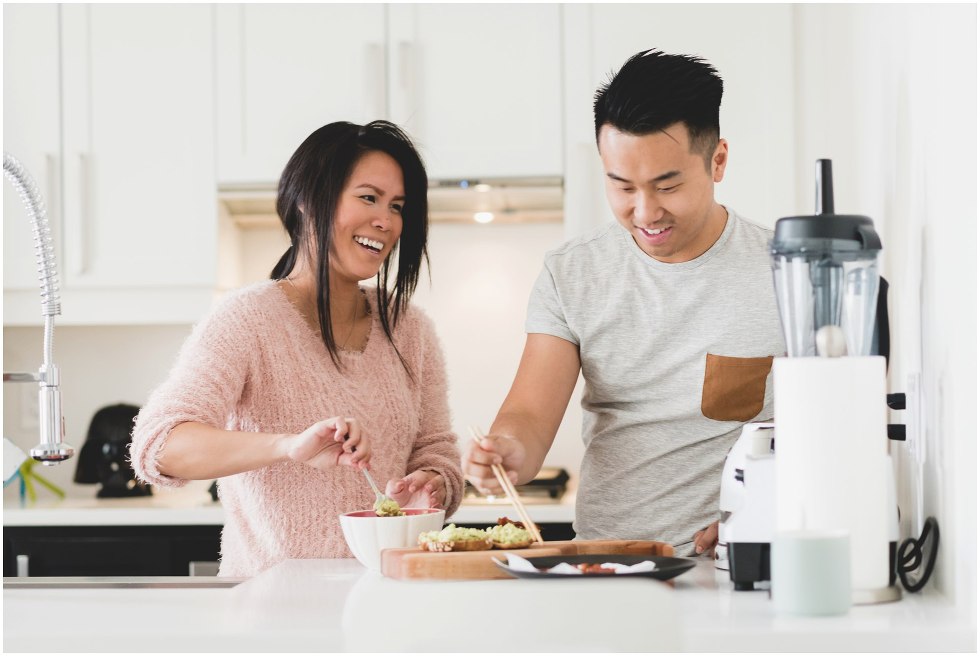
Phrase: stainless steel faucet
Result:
[52,448]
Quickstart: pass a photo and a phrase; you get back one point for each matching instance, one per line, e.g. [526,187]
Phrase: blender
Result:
[826,466]
[825,270]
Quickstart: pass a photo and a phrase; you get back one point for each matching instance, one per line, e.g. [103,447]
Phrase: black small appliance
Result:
[105,455]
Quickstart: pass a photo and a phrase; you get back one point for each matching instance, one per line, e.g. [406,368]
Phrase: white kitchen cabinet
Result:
[477,86]
[137,216]
[139,164]
[31,133]
[756,63]
[285,70]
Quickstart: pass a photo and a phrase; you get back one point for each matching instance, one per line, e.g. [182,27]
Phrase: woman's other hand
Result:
[420,489]
[329,443]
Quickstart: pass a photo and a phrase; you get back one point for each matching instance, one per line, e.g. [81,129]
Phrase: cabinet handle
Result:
[410,117]
[405,52]
[79,245]
[23,562]
[375,74]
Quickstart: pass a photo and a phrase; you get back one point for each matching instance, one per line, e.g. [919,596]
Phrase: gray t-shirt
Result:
[676,358]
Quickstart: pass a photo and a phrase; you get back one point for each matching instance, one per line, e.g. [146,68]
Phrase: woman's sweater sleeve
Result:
[204,386]
[436,446]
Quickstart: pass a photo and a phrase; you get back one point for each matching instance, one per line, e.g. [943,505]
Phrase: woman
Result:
[291,386]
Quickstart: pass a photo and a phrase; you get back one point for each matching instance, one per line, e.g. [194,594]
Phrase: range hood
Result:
[485,200]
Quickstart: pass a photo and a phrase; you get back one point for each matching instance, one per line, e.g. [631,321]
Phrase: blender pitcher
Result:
[825,271]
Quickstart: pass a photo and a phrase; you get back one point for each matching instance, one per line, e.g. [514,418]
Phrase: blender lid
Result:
[824,228]
[794,231]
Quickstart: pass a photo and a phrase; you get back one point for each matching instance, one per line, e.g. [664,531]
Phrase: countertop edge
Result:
[139,512]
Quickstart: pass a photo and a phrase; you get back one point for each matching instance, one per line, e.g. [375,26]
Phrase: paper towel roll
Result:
[831,455]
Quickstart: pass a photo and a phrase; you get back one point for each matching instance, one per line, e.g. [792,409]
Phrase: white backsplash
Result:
[100,365]
[481,278]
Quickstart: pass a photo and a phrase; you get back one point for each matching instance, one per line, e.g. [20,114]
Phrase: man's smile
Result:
[655,236]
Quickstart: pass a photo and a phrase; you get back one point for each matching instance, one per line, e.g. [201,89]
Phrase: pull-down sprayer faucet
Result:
[52,448]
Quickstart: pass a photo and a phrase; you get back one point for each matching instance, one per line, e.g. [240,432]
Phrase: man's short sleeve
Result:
[545,313]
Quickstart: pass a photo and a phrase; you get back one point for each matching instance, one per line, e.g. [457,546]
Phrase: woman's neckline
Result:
[315,333]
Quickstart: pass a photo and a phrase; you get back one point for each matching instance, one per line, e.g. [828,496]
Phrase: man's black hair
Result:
[654,90]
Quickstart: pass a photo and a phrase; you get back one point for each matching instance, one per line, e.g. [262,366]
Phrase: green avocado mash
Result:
[453,533]
[388,508]
[508,534]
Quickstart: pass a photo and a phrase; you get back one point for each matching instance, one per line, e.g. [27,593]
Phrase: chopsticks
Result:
[511,492]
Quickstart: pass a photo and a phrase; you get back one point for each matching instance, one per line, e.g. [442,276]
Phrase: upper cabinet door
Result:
[755,61]
[285,70]
[479,87]
[31,133]
[138,116]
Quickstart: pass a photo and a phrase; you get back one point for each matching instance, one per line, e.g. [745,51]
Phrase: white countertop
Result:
[337,605]
[193,505]
[183,506]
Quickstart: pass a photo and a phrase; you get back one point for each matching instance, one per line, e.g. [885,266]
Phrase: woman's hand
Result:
[329,443]
[420,489]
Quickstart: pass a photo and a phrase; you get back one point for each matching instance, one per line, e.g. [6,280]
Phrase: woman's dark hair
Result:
[313,180]
[654,90]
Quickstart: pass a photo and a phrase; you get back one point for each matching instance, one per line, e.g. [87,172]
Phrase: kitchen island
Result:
[177,531]
[192,505]
[337,605]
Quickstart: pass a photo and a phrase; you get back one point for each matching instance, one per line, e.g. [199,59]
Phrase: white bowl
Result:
[367,534]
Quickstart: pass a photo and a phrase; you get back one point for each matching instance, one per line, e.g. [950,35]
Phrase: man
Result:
[670,315]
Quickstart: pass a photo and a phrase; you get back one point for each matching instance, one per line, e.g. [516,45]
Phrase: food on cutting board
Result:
[454,538]
[388,508]
[508,534]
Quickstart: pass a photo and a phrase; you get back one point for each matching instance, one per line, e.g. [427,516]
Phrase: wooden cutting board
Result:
[418,564]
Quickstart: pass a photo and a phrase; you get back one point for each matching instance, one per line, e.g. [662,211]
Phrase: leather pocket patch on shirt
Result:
[734,388]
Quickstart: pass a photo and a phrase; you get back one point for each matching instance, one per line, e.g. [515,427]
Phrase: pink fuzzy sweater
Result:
[255,365]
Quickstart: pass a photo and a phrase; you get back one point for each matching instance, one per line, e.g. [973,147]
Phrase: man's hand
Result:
[706,539]
[491,450]
[532,411]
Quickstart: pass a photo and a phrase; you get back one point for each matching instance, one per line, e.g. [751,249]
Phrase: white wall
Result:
[100,365]
[481,279]
[889,93]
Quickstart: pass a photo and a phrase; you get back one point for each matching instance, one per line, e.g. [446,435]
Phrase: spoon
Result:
[378,497]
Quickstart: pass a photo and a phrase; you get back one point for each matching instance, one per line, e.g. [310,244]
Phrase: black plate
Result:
[666,567]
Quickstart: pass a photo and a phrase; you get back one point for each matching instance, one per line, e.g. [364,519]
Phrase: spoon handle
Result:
[372,483]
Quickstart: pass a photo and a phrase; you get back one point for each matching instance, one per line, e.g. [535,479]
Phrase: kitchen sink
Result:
[158,582]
